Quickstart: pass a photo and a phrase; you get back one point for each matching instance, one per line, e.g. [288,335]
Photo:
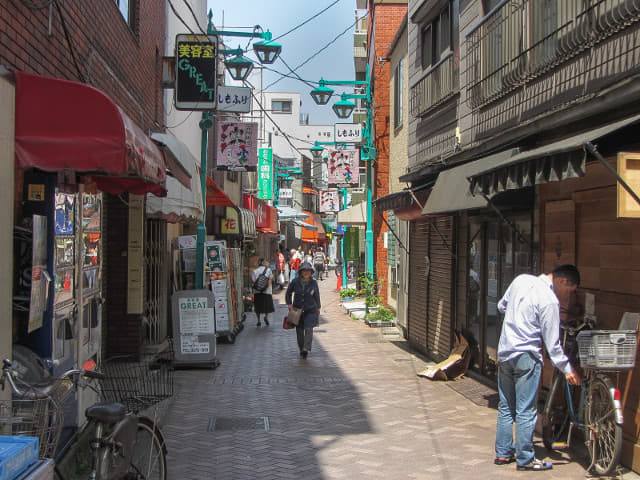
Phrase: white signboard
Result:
[347,132]
[234,99]
[195,316]
[190,344]
[286,193]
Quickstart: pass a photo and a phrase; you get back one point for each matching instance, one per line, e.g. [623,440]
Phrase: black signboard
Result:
[196,72]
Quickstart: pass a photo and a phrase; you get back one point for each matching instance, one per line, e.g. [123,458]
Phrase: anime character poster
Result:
[329,201]
[237,146]
[344,166]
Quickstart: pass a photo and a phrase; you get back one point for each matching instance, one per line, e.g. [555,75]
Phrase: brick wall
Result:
[386,20]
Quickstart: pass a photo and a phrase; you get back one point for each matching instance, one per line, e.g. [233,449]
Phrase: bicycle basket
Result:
[608,349]
[41,417]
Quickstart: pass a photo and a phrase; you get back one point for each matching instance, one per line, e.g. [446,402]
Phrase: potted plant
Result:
[370,289]
[383,317]
[347,294]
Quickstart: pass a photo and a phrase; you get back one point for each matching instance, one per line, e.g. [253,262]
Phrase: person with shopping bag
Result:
[262,280]
[303,293]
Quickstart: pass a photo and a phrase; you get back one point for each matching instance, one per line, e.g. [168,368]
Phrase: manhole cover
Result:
[217,424]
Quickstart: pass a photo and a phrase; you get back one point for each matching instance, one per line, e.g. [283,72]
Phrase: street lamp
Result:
[316,152]
[239,67]
[267,50]
[321,94]
[344,107]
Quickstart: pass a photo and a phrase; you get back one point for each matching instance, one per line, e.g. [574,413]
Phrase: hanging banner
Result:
[234,99]
[237,147]
[352,244]
[230,224]
[265,174]
[329,201]
[347,132]
[196,62]
[344,166]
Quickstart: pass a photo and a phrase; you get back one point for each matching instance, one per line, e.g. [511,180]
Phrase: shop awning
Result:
[288,214]
[309,235]
[451,191]
[177,156]
[181,204]
[216,196]
[309,191]
[356,215]
[549,163]
[308,226]
[404,204]
[64,125]
[317,221]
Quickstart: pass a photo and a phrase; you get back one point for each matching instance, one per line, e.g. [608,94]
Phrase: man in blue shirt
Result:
[532,315]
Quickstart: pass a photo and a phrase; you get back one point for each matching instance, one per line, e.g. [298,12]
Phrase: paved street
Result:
[354,409]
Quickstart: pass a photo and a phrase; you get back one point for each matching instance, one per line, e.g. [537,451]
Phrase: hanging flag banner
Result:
[265,174]
[237,147]
[329,201]
[344,166]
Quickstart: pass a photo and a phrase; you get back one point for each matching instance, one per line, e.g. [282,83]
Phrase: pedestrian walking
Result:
[280,267]
[319,260]
[296,260]
[532,315]
[303,293]
[262,291]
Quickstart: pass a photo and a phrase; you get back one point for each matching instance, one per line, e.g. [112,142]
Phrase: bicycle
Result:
[599,414]
[124,445]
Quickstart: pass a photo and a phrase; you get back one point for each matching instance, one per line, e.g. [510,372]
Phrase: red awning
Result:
[309,191]
[64,125]
[216,196]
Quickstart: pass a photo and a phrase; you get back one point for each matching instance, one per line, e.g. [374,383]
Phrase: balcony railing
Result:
[436,86]
[520,40]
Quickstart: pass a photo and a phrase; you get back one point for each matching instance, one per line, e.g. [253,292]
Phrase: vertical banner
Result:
[344,166]
[237,146]
[196,72]
[329,201]
[265,174]
[352,244]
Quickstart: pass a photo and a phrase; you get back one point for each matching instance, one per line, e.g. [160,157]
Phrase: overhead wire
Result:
[307,20]
[69,44]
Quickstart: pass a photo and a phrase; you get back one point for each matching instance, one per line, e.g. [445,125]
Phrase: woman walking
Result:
[306,296]
[262,297]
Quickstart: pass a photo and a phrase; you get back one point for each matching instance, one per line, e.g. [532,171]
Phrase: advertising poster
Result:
[344,166]
[237,146]
[329,201]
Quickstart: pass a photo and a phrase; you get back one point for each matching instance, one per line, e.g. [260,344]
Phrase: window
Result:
[398,107]
[127,10]
[281,106]
[436,37]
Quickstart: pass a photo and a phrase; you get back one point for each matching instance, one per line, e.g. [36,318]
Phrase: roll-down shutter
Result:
[418,274]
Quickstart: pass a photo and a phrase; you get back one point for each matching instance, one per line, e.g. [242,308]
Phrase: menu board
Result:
[194,326]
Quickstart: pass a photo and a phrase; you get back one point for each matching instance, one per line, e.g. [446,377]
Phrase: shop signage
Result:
[196,60]
[237,147]
[286,193]
[230,224]
[194,326]
[344,167]
[265,174]
[352,243]
[234,99]
[348,132]
[329,201]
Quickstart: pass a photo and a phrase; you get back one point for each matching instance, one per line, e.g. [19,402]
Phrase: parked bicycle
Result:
[597,411]
[124,445]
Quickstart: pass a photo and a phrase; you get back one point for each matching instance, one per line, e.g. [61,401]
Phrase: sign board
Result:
[230,224]
[194,326]
[329,201]
[352,244]
[196,61]
[234,99]
[265,174]
[236,146]
[348,132]
[344,166]
[286,193]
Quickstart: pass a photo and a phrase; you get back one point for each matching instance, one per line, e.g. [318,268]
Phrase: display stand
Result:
[194,328]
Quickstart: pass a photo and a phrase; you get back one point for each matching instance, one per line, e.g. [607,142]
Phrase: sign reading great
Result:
[196,62]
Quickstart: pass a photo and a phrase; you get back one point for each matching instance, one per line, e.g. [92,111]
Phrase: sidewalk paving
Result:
[354,409]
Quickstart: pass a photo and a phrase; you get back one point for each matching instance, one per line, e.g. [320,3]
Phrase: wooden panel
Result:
[559,216]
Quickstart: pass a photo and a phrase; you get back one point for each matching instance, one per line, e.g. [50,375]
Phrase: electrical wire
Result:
[307,20]
[193,14]
[69,44]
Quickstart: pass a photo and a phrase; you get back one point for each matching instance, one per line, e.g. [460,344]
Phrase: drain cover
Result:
[217,424]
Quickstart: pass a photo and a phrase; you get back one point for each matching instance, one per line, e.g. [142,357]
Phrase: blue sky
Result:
[279,16]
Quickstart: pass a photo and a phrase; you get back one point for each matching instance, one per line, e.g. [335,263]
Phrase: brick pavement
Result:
[354,409]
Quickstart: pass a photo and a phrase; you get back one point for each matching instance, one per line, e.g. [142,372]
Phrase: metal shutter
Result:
[391,239]
[417,311]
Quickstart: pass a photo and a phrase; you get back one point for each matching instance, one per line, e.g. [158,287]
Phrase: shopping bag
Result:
[286,325]
[281,278]
[294,315]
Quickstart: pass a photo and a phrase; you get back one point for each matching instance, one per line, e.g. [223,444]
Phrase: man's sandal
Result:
[504,460]
[536,466]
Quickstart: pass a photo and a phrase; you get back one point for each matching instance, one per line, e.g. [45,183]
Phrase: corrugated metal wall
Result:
[418,258]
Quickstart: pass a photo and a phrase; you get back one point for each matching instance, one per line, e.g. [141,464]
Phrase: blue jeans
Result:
[292,275]
[518,381]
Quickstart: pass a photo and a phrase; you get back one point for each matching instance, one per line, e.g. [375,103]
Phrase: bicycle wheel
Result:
[149,460]
[605,439]
[556,420]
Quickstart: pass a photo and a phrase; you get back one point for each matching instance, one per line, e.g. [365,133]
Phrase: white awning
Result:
[181,204]
[356,215]
[289,214]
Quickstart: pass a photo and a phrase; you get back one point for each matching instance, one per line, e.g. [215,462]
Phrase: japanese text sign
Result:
[348,132]
[265,174]
[234,99]
[237,146]
[344,166]
[329,201]
[230,224]
[196,60]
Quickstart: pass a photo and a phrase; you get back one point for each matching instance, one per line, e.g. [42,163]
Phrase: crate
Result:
[16,454]
[608,349]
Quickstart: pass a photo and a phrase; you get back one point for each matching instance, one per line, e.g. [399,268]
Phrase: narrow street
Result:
[354,409]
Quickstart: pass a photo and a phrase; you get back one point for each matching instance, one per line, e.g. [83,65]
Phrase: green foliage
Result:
[370,289]
[381,315]
[348,292]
